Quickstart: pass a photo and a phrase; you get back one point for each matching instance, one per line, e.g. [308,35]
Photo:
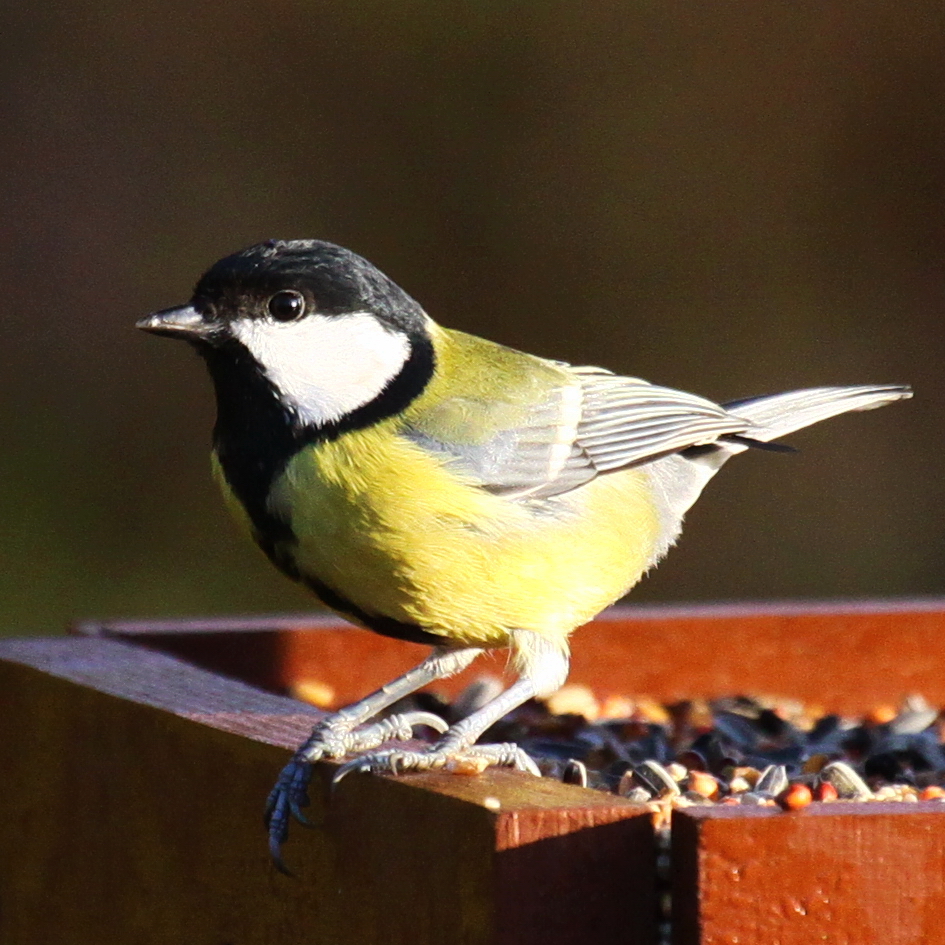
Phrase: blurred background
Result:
[735,198]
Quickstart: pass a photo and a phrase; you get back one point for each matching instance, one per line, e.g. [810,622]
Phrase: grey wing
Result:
[626,421]
[593,422]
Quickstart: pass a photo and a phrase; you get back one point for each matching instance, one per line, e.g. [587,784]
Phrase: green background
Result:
[733,198]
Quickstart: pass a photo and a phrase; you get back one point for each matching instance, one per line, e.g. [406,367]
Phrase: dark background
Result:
[734,198]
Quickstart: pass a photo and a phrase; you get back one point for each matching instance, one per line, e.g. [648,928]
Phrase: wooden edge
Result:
[719,610]
[119,669]
[250,623]
[824,655]
[156,770]
[841,872]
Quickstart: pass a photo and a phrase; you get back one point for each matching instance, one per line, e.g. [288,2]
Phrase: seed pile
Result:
[741,750]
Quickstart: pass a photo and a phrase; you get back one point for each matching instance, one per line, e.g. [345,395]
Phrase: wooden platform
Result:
[132,783]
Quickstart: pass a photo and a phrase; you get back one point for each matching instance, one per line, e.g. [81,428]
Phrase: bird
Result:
[441,488]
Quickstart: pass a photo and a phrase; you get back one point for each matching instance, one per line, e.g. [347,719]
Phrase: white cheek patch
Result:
[325,367]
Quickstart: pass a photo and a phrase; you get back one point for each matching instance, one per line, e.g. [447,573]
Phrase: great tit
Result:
[441,488]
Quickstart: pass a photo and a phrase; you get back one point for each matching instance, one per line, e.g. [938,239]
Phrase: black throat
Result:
[256,434]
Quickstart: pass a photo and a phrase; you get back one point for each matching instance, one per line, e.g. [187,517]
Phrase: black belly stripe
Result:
[385,626]
[256,436]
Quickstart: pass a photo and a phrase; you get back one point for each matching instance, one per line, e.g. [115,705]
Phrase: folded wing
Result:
[590,422]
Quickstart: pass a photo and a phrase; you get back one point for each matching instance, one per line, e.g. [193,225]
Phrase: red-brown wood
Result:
[844,873]
[132,789]
[826,654]
[851,874]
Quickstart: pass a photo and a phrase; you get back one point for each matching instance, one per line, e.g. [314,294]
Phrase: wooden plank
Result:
[836,873]
[824,654]
[131,795]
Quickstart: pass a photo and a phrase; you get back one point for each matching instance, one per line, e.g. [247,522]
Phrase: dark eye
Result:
[287,305]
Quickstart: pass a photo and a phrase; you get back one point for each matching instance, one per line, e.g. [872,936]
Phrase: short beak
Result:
[181,322]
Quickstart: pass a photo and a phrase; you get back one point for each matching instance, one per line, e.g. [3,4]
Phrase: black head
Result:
[332,280]
[304,341]
[325,329]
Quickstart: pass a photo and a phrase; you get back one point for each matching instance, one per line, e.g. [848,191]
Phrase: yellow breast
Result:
[387,526]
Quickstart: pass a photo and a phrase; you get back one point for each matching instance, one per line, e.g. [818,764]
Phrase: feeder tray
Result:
[136,756]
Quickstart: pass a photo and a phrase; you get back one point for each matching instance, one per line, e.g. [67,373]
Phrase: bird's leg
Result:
[457,747]
[543,665]
[339,735]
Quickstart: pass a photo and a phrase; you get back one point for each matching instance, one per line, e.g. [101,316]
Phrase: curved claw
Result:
[528,765]
[398,727]
[285,803]
[414,719]
[525,762]
[299,817]
[275,854]
[277,823]
[356,764]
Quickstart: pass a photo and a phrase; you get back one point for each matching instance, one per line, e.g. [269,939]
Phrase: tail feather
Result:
[777,415]
[679,478]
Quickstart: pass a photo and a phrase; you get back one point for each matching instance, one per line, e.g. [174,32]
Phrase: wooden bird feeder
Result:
[135,758]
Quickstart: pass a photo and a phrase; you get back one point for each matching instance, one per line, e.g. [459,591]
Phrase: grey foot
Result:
[336,737]
[333,738]
[471,759]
